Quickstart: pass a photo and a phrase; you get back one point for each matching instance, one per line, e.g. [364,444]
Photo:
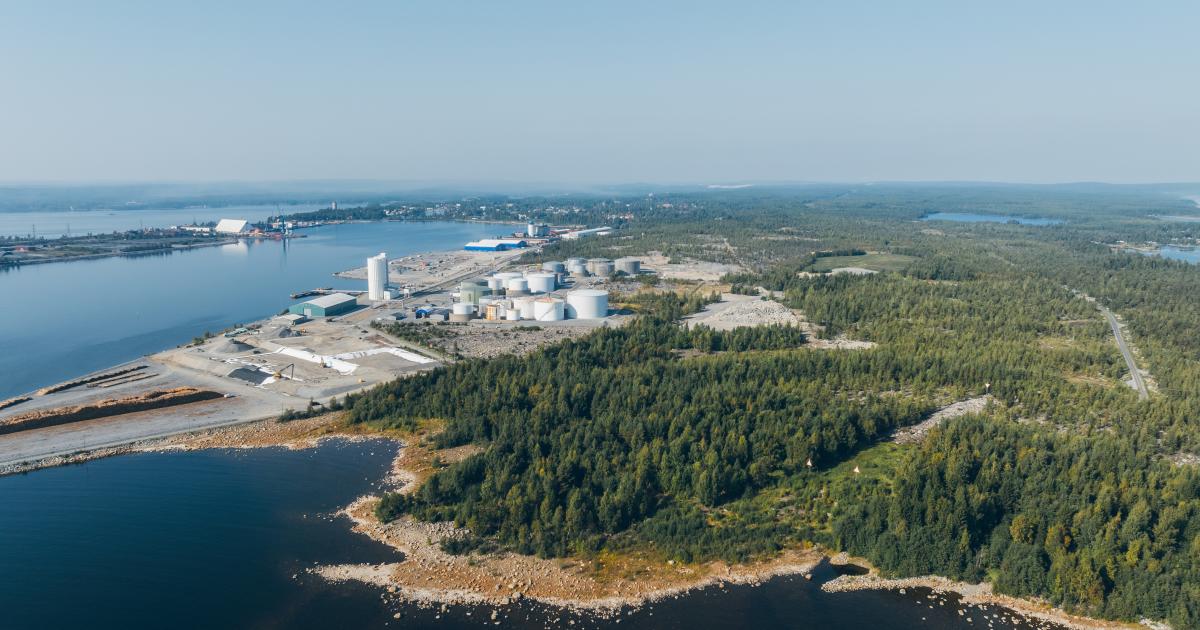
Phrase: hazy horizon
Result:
[702,93]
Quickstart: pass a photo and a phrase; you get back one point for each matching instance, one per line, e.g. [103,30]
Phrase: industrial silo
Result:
[600,267]
[629,266]
[524,305]
[471,291]
[516,286]
[549,309]
[577,267]
[541,282]
[554,266]
[496,284]
[587,304]
[461,311]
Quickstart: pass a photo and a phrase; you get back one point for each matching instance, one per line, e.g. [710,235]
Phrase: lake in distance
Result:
[970,217]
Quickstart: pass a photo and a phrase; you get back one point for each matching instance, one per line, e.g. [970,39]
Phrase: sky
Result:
[599,92]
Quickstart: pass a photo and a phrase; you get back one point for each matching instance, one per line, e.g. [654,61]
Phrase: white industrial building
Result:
[577,234]
[231,226]
[377,277]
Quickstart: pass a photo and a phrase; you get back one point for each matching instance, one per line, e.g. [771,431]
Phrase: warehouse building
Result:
[494,245]
[325,306]
[230,226]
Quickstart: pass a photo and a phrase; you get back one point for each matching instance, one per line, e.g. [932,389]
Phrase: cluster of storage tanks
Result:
[513,296]
[578,304]
[601,266]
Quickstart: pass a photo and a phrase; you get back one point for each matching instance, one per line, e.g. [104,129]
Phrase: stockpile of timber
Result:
[90,379]
[105,408]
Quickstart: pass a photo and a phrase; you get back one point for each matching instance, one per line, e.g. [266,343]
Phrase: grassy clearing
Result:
[877,262]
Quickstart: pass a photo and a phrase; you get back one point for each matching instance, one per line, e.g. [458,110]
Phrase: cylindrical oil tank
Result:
[462,308]
[577,268]
[587,304]
[600,267]
[549,309]
[518,285]
[575,260]
[505,275]
[512,315]
[554,266]
[541,282]
[629,266]
[470,292]
[496,284]
[525,306]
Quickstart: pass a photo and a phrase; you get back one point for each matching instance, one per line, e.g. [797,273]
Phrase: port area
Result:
[427,273]
[257,374]
[263,369]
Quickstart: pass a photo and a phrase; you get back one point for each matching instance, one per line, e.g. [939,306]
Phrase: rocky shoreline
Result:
[429,576]
[972,594]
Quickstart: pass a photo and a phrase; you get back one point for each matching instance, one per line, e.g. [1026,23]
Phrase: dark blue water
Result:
[211,539]
[60,320]
[206,539]
[969,217]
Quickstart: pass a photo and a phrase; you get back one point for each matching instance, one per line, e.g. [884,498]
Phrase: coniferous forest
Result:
[700,444]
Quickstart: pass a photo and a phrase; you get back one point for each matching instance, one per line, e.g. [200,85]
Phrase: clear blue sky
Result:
[600,91]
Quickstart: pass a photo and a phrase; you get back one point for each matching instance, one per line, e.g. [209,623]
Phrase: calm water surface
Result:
[81,222]
[66,319]
[968,217]
[212,539]
[1186,254]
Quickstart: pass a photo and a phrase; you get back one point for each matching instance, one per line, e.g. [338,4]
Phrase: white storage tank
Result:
[462,308]
[496,284]
[541,282]
[554,266]
[524,305]
[518,285]
[549,309]
[577,268]
[505,275]
[629,266]
[577,261]
[512,315]
[600,267]
[587,304]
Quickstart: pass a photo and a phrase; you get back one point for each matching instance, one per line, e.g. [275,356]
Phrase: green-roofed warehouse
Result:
[325,306]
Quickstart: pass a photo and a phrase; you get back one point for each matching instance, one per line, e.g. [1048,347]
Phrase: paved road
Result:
[1138,382]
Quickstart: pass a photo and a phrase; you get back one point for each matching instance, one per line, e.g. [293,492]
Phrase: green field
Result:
[876,262]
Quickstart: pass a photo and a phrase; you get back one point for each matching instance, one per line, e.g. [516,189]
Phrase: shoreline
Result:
[428,576]
[973,594]
[154,252]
